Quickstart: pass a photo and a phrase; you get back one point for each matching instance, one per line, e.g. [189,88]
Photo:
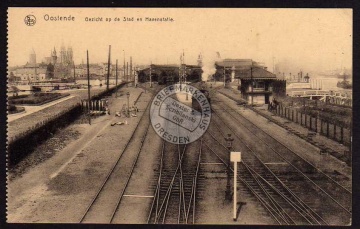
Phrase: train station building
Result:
[257,85]
[170,73]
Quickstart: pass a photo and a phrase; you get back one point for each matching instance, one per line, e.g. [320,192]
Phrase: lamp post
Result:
[116,79]
[128,96]
[229,141]
[187,97]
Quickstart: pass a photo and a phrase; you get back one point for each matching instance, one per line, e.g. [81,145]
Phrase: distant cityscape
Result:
[61,65]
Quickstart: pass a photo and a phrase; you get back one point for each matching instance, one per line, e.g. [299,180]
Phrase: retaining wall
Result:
[25,143]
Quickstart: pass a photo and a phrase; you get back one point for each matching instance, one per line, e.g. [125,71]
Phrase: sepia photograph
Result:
[216,116]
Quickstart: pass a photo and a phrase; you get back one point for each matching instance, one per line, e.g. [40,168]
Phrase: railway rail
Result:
[105,204]
[279,123]
[282,204]
[177,185]
[295,176]
[323,181]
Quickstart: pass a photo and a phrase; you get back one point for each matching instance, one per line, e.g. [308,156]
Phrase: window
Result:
[259,84]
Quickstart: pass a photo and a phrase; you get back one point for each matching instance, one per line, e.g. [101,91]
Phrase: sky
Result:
[312,39]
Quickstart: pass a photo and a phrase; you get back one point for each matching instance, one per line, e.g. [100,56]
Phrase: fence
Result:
[313,123]
[25,143]
[339,100]
[95,106]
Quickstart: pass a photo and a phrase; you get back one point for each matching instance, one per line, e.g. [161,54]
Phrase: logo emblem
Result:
[174,117]
[30,20]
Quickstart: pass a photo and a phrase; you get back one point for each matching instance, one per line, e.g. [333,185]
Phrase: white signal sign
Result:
[235,156]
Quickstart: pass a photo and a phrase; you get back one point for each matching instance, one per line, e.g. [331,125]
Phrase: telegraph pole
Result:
[131,73]
[252,87]
[88,76]
[108,73]
[127,71]
[124,67]
[150,75]
[74,73]
[229,141]
[116,76]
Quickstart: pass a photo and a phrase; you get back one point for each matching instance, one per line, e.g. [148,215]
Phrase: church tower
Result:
[32,58]
[69,55]
[53,56]
[62,54]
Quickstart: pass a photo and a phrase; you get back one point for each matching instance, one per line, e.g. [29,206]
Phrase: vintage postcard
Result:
[179,116]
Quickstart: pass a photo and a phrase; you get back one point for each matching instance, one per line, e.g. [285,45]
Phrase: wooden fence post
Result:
[310,122]
[335,132]
[288,113]
[321,126]
[341,135]
[327,129]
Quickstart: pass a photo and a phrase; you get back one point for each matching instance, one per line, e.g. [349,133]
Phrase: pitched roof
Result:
[170,67]
[245,68]
[237,63]
[254,73]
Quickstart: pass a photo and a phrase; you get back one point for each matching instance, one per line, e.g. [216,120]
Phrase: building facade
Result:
[257,85]
[170,73]
[31,71]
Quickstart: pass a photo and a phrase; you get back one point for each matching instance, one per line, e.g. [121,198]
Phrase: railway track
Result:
[323,181]
[105,204]
[177,185]
[283,125]
[283,205]
[295,180]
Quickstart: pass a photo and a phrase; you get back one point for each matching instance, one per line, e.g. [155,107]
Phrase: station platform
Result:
[336,164]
